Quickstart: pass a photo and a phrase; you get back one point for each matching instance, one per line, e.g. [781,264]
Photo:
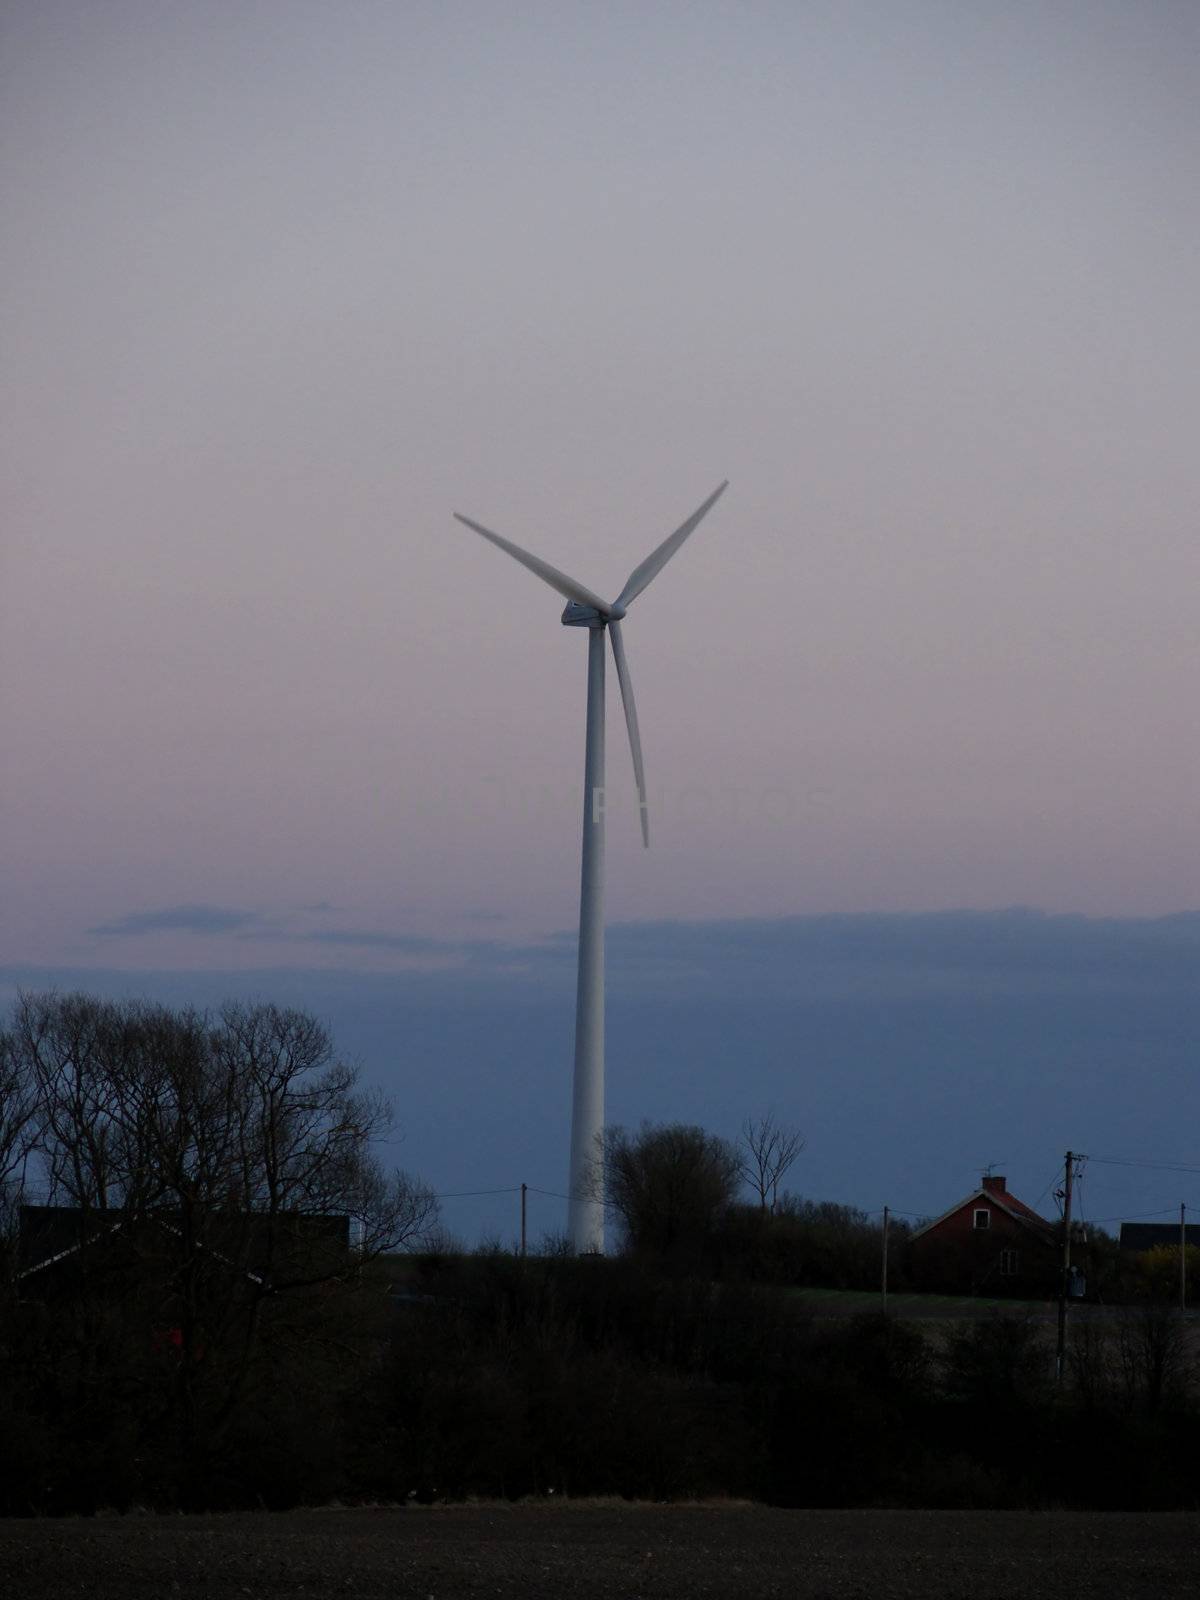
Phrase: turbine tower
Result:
[585,1215]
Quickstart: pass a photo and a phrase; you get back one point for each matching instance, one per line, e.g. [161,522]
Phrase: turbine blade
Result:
[566,586]
[657,560]
[631,722]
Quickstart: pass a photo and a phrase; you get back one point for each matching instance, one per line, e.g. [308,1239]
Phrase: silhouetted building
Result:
[1140,1236]
[59,1247]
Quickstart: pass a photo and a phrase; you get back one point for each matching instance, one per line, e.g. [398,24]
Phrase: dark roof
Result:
[50,1234]
[1148,1235]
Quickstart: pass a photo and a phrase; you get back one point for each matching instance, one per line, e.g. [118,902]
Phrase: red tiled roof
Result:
[1011,1202]
[1017,1209]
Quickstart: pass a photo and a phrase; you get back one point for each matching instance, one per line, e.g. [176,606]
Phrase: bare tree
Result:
[766,1152]
[65,1047]
[669,1185]
[18,1133]
[214,1161]
[137,1108]
[304,1130]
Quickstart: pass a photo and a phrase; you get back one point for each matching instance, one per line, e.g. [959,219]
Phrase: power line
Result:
[877,1211]
[530,1188]
[1165,1211]
[1156,1166]
[472,1194]
[1050,1182]
[553,1194]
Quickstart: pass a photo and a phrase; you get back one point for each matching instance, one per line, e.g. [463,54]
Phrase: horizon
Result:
[998,1039]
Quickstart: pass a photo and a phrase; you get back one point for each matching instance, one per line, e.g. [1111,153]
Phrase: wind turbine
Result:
[584,609]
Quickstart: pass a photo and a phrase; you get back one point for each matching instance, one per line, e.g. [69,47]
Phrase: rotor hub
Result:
[577,616]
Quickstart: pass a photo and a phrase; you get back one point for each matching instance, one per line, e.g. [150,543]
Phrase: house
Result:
[988,1243]
[1140,1236]
[58,1246]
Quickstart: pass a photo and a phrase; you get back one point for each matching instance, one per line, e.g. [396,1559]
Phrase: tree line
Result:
[202,1339]
[188,1167]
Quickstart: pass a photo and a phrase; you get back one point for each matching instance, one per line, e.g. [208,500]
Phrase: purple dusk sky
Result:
[287,283]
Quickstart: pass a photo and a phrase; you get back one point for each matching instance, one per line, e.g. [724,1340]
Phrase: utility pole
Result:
[1066,1271]
[524,1190]
[886,1220]
[1182,1259]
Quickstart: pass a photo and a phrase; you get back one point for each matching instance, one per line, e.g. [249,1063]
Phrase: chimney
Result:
[994,1185]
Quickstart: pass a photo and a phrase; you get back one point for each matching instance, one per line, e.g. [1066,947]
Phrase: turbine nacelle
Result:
[578,616]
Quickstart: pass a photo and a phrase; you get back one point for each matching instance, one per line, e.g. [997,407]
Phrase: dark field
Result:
[606,1549]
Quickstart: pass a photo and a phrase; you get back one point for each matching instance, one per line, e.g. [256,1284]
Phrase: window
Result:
[983,1218]
[1010,1263]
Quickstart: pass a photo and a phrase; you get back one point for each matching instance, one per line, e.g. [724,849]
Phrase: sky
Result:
[285,284]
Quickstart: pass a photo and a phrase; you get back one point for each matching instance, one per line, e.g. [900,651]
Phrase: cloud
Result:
[861,959]
[176,919]
[403,943]
[967,952]
[842,957]
[252,925]
[910,1049]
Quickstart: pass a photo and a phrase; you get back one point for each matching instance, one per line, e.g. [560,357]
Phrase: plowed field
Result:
[554,1552]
